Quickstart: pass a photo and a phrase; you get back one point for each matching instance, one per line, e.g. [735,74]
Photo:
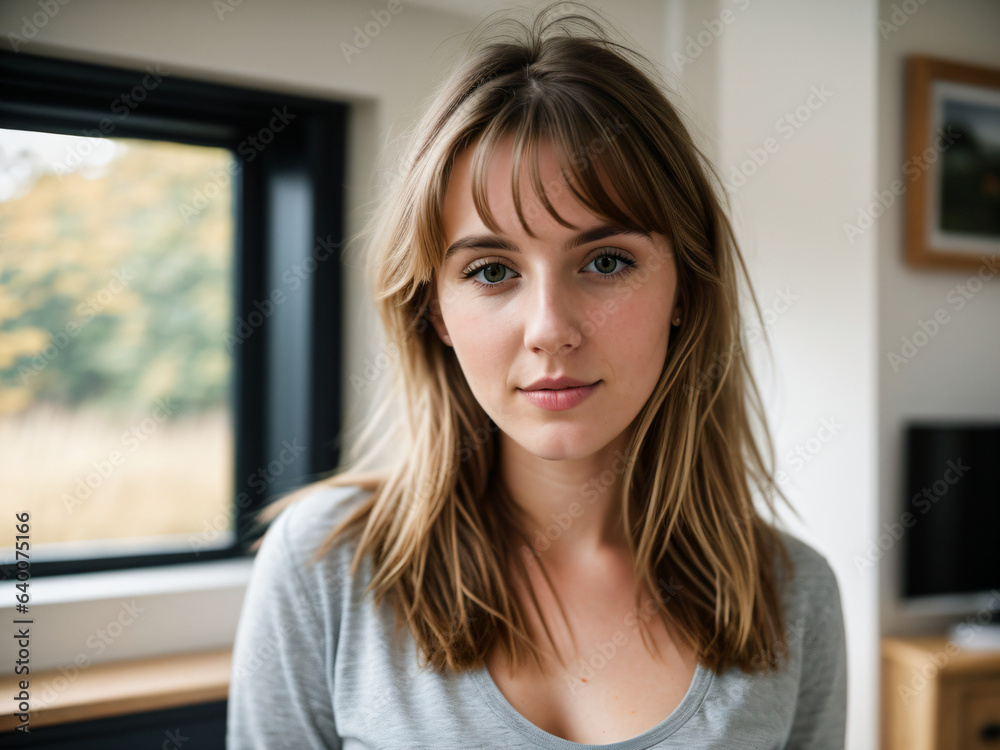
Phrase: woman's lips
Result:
[562,399]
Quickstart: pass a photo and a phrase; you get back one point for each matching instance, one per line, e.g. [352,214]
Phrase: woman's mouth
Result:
[562,398]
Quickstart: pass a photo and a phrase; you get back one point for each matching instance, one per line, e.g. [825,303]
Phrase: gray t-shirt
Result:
[315,665]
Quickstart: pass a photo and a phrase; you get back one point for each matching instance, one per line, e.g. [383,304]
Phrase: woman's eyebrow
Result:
[495,242]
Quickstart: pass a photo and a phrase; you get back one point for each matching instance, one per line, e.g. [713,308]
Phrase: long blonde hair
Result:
[443,537]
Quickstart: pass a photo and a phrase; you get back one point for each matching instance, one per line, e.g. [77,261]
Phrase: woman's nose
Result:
[552,317]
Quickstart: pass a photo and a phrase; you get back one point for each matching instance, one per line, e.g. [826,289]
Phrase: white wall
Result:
[956,374]
[816,62]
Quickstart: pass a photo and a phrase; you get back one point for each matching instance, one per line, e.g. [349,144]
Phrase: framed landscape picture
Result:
[952,167]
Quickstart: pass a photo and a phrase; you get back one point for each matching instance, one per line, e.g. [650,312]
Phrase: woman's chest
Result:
[610,687]
[605,697]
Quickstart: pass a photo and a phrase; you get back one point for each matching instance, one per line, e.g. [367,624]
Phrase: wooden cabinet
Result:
[937,696]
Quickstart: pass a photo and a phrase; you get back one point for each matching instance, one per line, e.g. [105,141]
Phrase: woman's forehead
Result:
[490,173]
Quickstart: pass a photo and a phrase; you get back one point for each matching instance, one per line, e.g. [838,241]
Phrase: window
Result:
[170,324]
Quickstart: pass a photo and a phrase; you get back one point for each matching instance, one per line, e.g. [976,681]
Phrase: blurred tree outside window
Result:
[115,378]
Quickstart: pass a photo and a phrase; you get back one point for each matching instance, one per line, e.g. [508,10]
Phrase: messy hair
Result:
[441,533]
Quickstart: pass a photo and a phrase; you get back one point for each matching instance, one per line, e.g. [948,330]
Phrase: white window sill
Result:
[89,618]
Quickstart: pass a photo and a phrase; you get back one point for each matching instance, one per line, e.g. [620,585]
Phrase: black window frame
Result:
[288,201]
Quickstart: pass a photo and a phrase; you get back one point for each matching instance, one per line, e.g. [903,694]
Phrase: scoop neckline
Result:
[498,702]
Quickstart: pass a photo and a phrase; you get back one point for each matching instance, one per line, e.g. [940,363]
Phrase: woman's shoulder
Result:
[302,526]
[813,583]
[805,555]
[319,510]
[286,563]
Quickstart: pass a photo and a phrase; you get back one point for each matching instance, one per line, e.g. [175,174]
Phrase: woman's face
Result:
[517,309]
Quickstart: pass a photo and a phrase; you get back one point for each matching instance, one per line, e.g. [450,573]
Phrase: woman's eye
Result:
[606,264]
[493,273]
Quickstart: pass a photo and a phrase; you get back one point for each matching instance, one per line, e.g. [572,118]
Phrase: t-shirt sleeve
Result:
[279,696]
[821,706]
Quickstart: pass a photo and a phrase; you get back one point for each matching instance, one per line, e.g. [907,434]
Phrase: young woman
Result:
[565,549]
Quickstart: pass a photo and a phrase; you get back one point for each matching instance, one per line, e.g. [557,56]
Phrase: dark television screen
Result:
[951,539]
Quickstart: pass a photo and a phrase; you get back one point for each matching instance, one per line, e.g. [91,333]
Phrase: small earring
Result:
[677,321]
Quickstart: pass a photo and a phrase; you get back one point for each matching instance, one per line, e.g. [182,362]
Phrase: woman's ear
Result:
[438,321]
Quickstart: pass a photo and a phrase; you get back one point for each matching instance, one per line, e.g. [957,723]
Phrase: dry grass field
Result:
[83,476]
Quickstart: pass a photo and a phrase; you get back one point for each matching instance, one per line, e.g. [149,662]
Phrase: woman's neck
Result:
[571,509]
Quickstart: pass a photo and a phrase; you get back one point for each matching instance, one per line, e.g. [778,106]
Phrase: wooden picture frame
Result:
[951,172]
